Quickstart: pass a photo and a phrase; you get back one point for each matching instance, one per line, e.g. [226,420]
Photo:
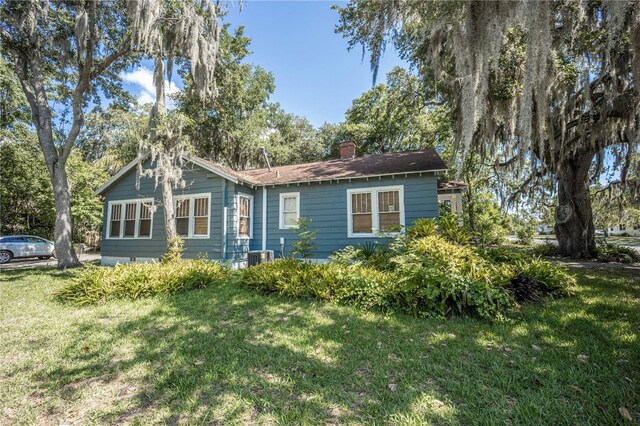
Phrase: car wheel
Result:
[44,257]
[5,256]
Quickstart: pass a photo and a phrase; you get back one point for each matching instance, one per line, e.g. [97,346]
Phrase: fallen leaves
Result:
[198,362]
[393,387]
[583,358]
[536,347]
[625,413]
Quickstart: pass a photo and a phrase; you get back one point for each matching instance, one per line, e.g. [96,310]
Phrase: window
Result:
[289,210]
[130,218]
[245,210]
[192,215]
[375,210]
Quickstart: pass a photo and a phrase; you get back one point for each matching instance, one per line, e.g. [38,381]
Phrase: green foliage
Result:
[525,233]
[452,230]
[394,116]
[614,253]
[554,278]
[546,249]
[174,250]
[423,227]
[486,223]
[98,284]
[305,243]
[27,195]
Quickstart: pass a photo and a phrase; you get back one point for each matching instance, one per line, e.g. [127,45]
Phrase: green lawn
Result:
[230,356]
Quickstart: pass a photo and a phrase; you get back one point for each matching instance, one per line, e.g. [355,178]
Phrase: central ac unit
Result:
[259,256]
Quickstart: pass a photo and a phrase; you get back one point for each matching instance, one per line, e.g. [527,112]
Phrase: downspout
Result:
[264,218]
[224,221]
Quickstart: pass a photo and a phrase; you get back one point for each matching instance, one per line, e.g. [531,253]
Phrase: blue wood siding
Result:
[326,205]
[197,181]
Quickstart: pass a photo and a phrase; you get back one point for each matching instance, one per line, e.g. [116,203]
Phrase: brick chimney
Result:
[347,150]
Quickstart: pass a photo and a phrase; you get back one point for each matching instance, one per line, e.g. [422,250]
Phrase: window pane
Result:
[243,227]
[129,228]
[389,201]
[290,204]
[361,203]
[145,228]
[200,226]
[289,219]
[182,226]
[244,207]
[115,229]
[116,210]
[389,221]
[362,223]
[201,207]
[145,211]
[182,208]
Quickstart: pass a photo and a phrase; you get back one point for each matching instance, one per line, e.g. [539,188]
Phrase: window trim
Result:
[192,212]
[284,195]
[375,213]
[136,232]
[250,198]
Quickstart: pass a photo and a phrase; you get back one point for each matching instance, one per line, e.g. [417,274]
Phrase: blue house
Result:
[223,214]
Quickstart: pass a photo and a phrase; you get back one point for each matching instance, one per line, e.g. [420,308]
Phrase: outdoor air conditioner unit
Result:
[259,256]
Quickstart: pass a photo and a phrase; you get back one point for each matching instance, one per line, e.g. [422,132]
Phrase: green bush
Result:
[546,249]
[423,227]
[525,233]
[426,276]
[555,280]
[614,253]
[451,229]
[97,284]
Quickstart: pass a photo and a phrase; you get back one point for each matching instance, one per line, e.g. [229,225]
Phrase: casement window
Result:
[375,210]
[245,216]
[192,215]
[289,210]
[130,218]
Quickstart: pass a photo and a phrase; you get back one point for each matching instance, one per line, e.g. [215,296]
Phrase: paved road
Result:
[36,263]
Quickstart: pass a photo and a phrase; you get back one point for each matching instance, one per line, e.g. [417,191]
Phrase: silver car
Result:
[17,246]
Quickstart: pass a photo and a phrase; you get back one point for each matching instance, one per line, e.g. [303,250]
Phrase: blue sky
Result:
[316,77]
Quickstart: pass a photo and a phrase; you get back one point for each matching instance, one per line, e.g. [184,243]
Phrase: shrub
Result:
[614,253]
[451,229]
[526,289]
[525,233]
[554,279]
[97,284]
[423,227]
[501,255]
[546,249]
[305,244]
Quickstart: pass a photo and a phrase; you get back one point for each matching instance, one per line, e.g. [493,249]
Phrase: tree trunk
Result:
[63,230]
[574,216]
[169,213]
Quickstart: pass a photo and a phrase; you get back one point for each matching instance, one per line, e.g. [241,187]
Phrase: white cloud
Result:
[142,79]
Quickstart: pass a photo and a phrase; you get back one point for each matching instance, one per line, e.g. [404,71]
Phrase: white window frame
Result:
[124,203]
[250,198]
[192,212]
[375,217]
[281,209]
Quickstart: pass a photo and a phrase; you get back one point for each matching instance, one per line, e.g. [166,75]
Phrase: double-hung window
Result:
[375,210]
[245,216]
[192,215]
[130,218]
[289,210]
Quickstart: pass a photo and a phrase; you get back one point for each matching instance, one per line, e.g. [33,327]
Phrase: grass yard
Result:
[230,356]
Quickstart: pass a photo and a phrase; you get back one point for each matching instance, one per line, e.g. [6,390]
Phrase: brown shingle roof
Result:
[451,185]
[369,165]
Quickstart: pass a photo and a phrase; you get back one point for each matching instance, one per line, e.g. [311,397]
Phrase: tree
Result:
[396,116]
[26,196]
[64,52]
[230,128]
[167,30]
[110,137]
[305,244]
[551,85]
